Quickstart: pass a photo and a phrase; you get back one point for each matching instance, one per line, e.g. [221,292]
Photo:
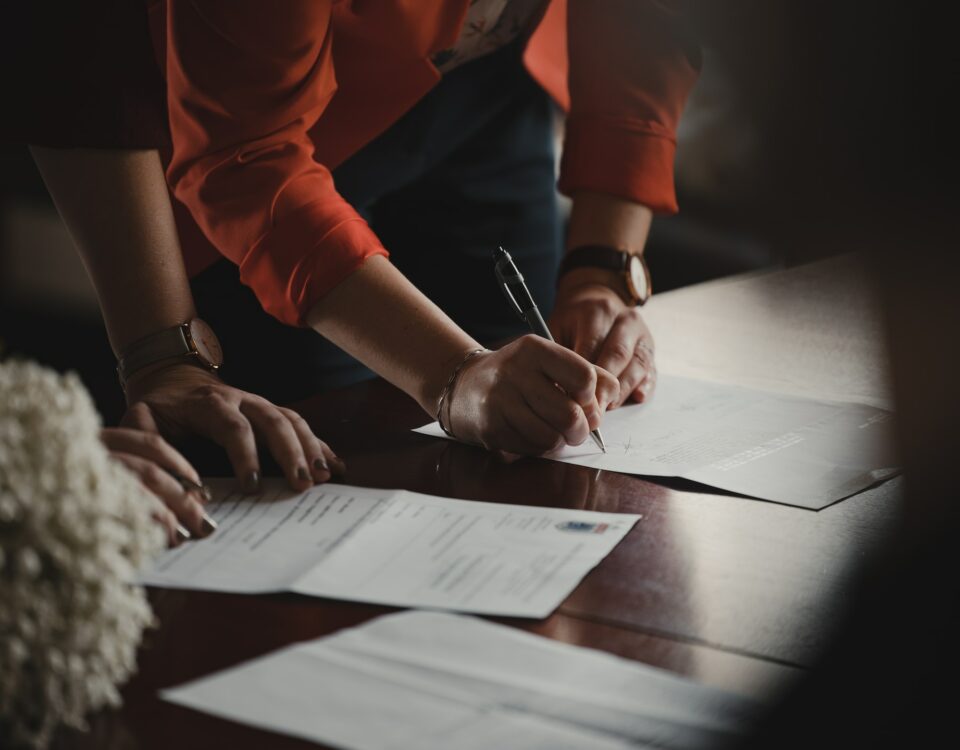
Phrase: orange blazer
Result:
[264,99]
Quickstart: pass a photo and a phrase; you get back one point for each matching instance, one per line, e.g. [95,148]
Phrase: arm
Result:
[116,207]
[626,98]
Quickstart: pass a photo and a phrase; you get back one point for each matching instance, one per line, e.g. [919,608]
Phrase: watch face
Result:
[206,342]
[638,279]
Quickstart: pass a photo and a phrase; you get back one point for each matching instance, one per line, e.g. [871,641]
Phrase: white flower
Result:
[75,526]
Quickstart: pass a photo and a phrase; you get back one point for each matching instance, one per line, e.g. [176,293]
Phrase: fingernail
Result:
[208,525]
[205,493]
[251,484]
[320,465]
[339,465]
[303,475]
[182,534]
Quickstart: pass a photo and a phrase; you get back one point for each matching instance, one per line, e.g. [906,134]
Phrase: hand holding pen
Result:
[530,397]
[513,286]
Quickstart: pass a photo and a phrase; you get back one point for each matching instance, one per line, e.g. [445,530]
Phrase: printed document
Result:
[433,680]
[394,548]
[789,449]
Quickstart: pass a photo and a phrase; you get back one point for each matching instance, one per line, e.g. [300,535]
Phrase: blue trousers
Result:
[469,168]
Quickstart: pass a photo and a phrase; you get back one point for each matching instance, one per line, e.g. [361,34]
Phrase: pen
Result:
[511,281]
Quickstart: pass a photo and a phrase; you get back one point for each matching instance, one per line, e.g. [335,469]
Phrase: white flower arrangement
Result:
[75,527]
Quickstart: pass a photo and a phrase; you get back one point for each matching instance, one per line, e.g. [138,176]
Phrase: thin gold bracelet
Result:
[445,393]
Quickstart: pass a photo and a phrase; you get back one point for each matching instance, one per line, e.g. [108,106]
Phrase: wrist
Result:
[436,378]
[594,281]
[620,270]
[174,370]
[193,342]
[446,395]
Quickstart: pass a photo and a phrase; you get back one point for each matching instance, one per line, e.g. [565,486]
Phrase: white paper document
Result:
[433,681]
[394,548]
[788,449]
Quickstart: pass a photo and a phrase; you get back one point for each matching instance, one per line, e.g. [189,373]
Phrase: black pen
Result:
[511,281]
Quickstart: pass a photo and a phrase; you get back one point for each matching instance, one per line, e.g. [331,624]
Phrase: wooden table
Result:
[733,592]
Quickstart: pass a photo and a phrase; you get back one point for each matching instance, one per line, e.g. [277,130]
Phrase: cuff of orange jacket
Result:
[289,281]
[628,159]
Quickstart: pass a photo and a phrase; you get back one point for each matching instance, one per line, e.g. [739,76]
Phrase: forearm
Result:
[601,219]
[116,206]
[384,321]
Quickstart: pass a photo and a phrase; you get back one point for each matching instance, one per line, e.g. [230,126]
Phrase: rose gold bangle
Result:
[448,388]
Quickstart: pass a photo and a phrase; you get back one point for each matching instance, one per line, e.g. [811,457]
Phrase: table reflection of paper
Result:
[396,548]
[432,680]
[792,450]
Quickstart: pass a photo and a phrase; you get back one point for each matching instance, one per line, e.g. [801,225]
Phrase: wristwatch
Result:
[194,342]
[637,287]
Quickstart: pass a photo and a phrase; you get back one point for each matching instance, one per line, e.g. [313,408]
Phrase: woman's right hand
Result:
[531,397]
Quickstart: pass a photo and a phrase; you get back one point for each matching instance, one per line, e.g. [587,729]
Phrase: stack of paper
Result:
[432,680]
[793,450]
[395,548]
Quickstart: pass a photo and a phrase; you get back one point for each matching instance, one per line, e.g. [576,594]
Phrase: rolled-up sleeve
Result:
[631,70]
[245,82]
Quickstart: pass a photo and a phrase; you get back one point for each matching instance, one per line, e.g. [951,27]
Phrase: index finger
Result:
[576,376]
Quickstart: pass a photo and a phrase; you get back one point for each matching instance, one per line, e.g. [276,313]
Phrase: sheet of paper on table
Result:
[792,450]
[395,548]
[436,680]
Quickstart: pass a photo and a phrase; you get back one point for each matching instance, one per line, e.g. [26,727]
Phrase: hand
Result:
[157,463]
[532,396]
[182,399]
[597,324]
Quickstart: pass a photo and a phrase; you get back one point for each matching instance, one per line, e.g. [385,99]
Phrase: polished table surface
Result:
[731,591]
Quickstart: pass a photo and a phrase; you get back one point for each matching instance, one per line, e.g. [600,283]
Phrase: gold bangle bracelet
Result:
[448,388]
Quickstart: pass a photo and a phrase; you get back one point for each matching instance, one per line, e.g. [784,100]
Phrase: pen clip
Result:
[505,279]
[513,300]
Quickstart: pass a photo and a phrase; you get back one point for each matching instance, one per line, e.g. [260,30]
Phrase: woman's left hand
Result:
[597,324]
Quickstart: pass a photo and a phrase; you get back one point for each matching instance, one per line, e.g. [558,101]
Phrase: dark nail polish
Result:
[303,475]
[182,534]
[205,493]
[208,525]
[251,484]
[320,465]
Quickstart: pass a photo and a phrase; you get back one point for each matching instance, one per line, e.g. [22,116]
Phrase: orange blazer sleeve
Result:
[631,69]
[245,81]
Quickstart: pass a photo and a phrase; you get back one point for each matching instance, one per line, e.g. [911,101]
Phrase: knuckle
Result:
[607,307]
[153,476]
[292,416]
[570,417]
[209,392]
[234,422]
[531,343]
[275,420]
[153,441]
[586,377]
[618,350]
